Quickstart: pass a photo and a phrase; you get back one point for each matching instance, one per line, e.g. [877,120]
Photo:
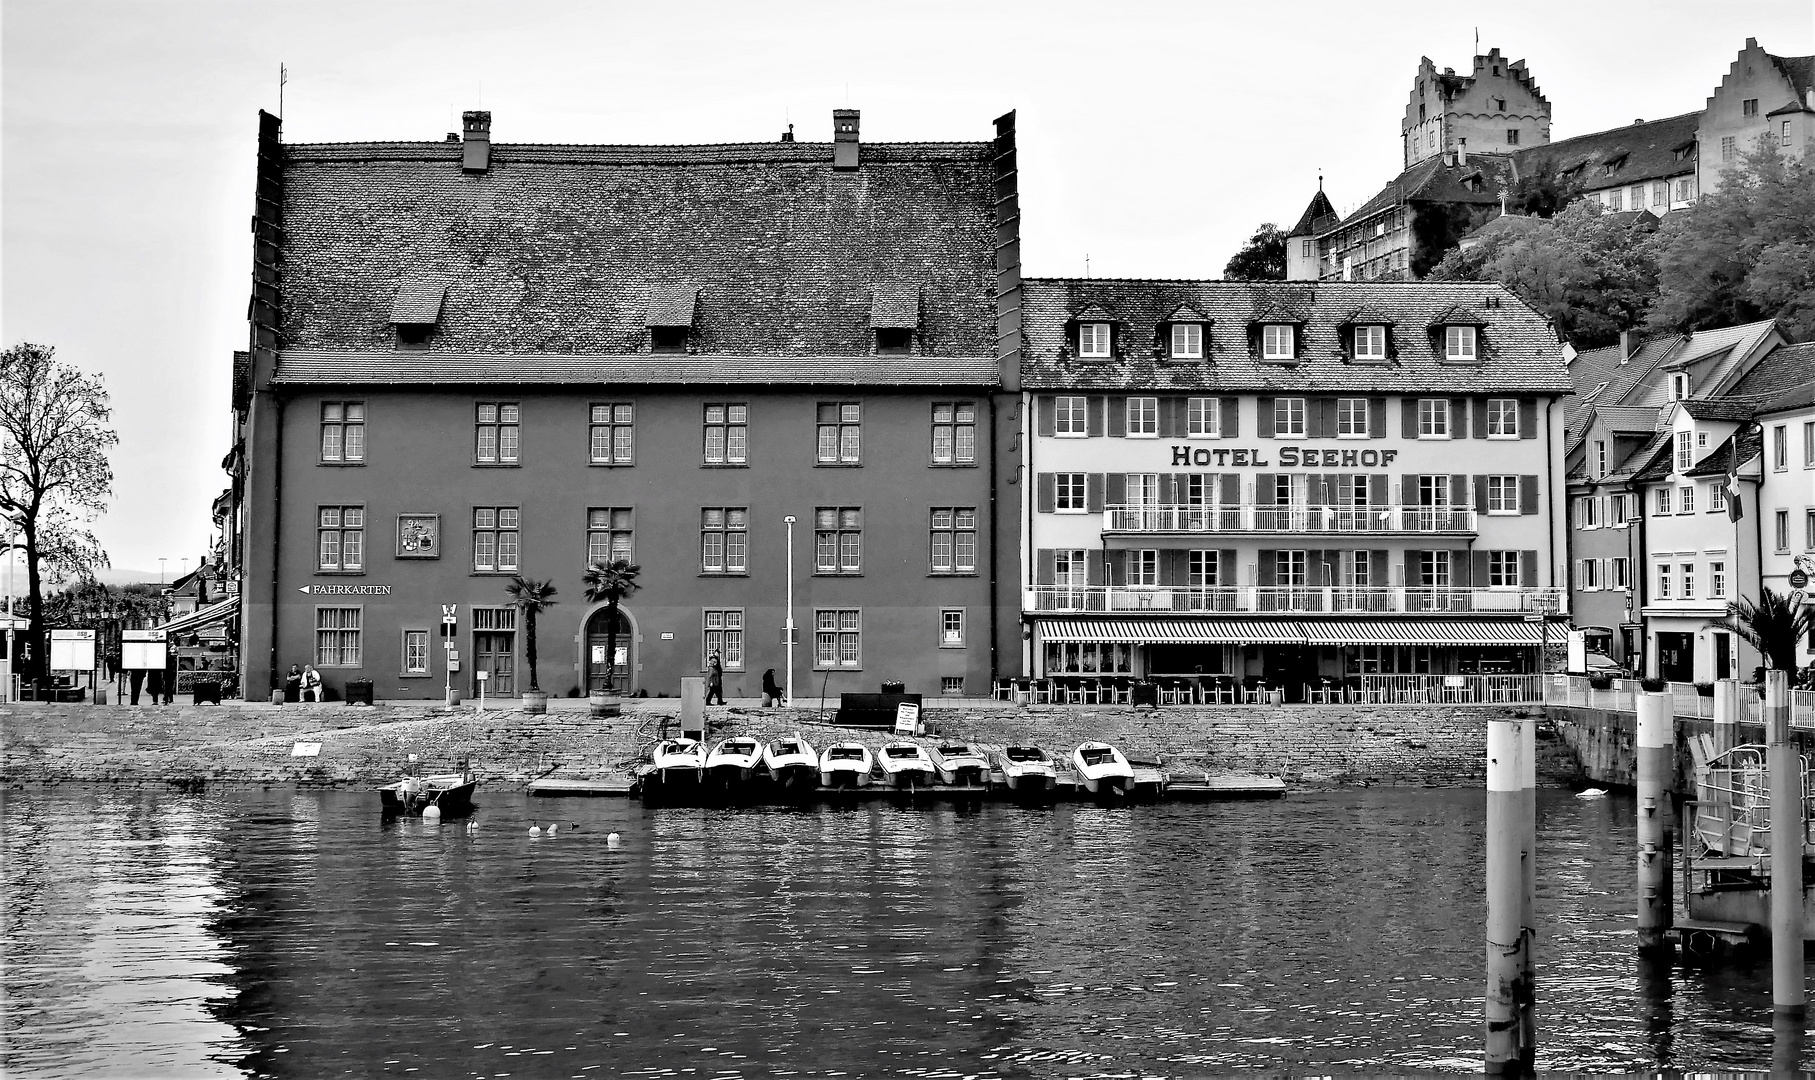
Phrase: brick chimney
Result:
[844,139]
[1629,343]
[477,127]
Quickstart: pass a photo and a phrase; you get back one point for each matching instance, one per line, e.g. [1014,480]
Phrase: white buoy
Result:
[431,811]
[613,840]
[535,830]
[553,827]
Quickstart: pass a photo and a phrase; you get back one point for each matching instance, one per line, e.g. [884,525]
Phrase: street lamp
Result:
[789,628]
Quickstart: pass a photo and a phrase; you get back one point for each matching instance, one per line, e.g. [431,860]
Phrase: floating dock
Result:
[1152,786]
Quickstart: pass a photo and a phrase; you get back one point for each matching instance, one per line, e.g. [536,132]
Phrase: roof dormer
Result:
[1456,335]
[1185,334]
[894,321]
[1277,336]
[416,312]
[1092,333]
[1367,337]
[670,318]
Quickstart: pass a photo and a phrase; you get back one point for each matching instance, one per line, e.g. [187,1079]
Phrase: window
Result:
[1458,343]
[1600,457]
[954,540]
[608,534]
[1433,418]
[1726,148]
[1780,447]
[1685,498]
[1143,416]
[838,540]
[1068,567]
[951,686]
[1093,340]
[1433,569]
[497,433]
[415,652]
[1808,445]
[1682,191]
[1370,342]
[1068,492]
[1808,530]
[1780,529]
[1070,417]
[1660,193]
[1638,196]
[1188,341]
[613,434]
[954,433]
[343,431]
[1688,581]
[1512,136]
[722,632]
[1204,570]
[1588,574]
[1503,495]
[1717,496]
[1289,568]
[1503,422]
[840,432]
[1717,578]
[1663,581]
[1503,569]
[1141,489]
[1684,455]
[337,636]
[1614,200]
[341,535]
[951,628]
[727,434]
[1663,500]
[1352,418]
[1588,512]
[894,341]
[1204,417]
[1276,341]
[1433,489]
[668,339]
[1357,564]
[495,539]
[1144,568]
[1621,573]
[724,539]
[1749,107]
[1288,416]
[1784,139]
[837,638]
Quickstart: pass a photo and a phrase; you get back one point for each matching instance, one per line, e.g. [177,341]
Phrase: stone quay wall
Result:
[250,744]
[1605,741]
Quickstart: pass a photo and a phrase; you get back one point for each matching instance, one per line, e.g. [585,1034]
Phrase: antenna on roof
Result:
[1477,41]
[1087,264]
[1319,179]
[283,76]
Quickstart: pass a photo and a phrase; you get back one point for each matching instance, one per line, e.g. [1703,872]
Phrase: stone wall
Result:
[1605,742]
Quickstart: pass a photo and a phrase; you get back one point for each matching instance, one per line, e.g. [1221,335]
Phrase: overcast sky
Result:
[1154,136]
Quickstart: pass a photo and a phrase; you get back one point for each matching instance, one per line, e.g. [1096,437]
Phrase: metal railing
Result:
[1248,518]
[1461,689]
[1687,699]
[1288,598]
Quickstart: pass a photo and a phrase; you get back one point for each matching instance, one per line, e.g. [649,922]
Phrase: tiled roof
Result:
[1780,370]
[895,311]
[1520,352]
[1505,223]
[672,305]
[314,367]
[1629,418]
[1750,442]
[1317,211]
[556,249]
[1797,397]
[1704,344]
[418,302]
[1638,151]
[1717,409]
[1433,181]
[1799,70]
[1641,463]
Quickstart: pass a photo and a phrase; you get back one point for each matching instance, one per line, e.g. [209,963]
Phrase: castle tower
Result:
[1497,109]
[1301,243]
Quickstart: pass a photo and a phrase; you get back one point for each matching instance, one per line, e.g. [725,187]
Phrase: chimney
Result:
[788,135]
[1628,343]
[844,139]
[478,129]
[1449,157]
[1462,151]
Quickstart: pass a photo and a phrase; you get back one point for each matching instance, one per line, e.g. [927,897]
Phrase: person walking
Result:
[715,680]
[771,689]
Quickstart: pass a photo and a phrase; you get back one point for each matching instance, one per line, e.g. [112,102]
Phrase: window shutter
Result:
[1414,574]
[1264,489]
[1093,413]
[1118,417]
[1263,417]
[1232,489]
[1093,493]
[1528,569]
[1408,417]
[1169,418]
[1481,581]
[1377,489]
[1047,408]
[1460,569]
[1232,418]
[1315,576]
[1528,494]
[1044,571]
[1266,566]
[1480,418]
[1225,567]
[1046,488]
[1408,489]
[1115,489]
[1093,566]
[1458,418]
[1458,489]
[1528,418]
[1169,567]
[1168,486]
[1376,418]
[1378,568]
[1319,421]
[1481,493]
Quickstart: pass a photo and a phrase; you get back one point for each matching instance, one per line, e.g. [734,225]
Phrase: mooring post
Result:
[1528,891]
[1505,905]
[1656,750]
[1788,994]
[1726,714]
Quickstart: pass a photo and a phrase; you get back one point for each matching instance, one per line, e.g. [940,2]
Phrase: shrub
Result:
[1601,680]
[1705,689]
[1654,686]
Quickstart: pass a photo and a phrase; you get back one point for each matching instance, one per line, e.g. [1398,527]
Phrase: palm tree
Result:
[532,598]
[611,582]
[1773,626]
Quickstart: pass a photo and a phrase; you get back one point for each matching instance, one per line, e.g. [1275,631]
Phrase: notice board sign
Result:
[907,718]
[72,650]
[143,650]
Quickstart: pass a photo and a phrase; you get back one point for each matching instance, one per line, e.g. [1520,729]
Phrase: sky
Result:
[1154,137]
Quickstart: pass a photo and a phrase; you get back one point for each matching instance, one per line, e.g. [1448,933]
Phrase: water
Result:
[280,934]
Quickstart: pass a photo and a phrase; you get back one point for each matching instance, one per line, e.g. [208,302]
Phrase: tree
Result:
[1773,626]
[1262,258]
[611,582]
[54,440]
[1743,252]
[532,598]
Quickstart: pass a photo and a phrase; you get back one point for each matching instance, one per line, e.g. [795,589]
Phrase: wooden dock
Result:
[1152,786]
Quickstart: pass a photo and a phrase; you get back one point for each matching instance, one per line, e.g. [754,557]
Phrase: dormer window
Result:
[668,339]
[1679,387]
[670,319]
[1459,344]
[1187,341]
[416,311]
[894,341]
[1278,341]
[1093,340]
[414,335]
[1370,342]
[894,319]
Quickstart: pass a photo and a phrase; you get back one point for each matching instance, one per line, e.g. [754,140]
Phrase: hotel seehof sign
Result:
[1290,457]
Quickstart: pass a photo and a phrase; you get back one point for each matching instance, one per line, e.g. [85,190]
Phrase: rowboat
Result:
[960,764]
[450,794]
[1102,769]
[1027,770]
[905,764]
[846,765]
[791,762]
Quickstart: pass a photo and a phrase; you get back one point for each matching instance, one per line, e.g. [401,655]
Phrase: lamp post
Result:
[789,626]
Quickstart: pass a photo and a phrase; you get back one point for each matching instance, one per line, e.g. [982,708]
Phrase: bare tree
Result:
[54,440]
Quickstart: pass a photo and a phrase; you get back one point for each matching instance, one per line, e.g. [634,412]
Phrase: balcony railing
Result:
[1421,520]
[1688,701]
[1287,598]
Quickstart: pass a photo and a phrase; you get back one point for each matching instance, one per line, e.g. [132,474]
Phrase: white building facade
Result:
[1786,501]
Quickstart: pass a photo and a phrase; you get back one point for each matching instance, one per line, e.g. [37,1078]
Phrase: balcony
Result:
[1264,599]
[1345,520]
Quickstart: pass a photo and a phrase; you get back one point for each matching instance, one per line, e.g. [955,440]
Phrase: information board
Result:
[72,650]
[907,718]
[143,650]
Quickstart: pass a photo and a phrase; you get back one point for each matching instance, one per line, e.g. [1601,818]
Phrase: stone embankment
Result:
[251,744]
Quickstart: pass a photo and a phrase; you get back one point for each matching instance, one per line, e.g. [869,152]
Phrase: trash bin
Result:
[206,690]
[892,687]
[359,691]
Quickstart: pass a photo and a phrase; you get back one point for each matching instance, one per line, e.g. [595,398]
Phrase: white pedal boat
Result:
[677,761]
[960,764]
[733,760]
[905,764]
[845,764]
[791,762]
[1102,769]
[1027,770]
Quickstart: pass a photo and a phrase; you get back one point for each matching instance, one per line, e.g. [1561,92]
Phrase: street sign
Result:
[449,614]
[7,623]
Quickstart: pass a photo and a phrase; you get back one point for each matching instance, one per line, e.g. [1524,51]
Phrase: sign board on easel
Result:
[143,650]
[907,718]
[72,650]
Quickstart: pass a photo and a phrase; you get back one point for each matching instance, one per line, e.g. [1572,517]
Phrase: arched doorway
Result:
[622,673]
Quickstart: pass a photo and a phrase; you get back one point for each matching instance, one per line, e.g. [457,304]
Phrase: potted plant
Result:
[532,598]
[610,582]
[1705,689]
[1652,685]
[1600,680]
[1773,626]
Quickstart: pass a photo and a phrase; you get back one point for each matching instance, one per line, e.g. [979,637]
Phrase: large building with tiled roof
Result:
[1647,165]
[475,359]
[1312,486]
[1764,99]
[1497,108]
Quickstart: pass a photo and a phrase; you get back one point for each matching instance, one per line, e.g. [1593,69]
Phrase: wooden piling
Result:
[1726,714]
[1505,905]
[1656,749]
[1789,995]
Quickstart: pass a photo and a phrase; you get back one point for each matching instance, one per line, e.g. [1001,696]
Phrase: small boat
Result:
[732,761]
[1102,769]
[677,762]
[846,765]
[791,762]
[960,764]
[1027,770]
[905,764]
[450,794]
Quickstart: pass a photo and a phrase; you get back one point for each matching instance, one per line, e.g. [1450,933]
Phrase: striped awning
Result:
[1433,631]
[1174,631]
[220,611]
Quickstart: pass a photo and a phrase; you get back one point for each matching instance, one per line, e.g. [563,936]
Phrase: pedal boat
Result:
[845,765]
[1027,770]
[791,762]
[731,762]
[960,765]
[906,765]
[1102,769]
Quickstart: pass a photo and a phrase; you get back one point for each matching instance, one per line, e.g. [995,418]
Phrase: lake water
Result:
[281,934]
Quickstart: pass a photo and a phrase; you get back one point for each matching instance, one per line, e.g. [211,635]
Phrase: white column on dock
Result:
[1528,922]
[1789,996]
[1656,748]
[1506,940]
[1726,714]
